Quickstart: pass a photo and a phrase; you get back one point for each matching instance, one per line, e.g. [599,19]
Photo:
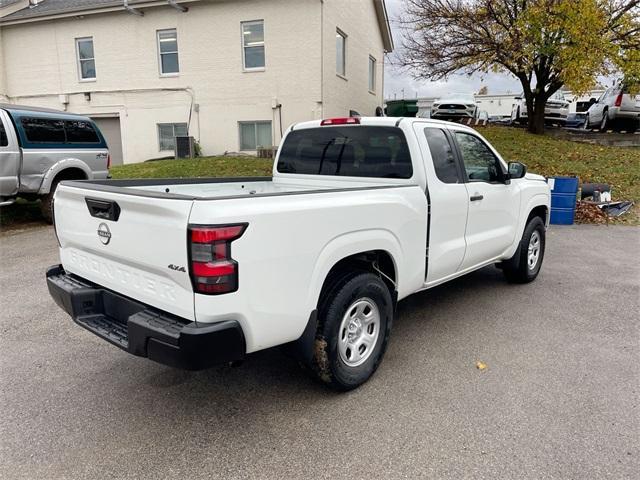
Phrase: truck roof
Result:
[379,121]
[47,112]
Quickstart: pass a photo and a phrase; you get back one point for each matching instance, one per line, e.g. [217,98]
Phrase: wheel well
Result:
[70,174]
[539,211]
[379,262]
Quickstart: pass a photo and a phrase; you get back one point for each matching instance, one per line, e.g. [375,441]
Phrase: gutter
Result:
[115,6]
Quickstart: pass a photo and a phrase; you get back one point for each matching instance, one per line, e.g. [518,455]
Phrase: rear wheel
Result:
[355,317]
[525,264]
[46,206]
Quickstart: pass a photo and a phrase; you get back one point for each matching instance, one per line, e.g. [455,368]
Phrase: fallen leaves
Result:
[589,213]
[481,366]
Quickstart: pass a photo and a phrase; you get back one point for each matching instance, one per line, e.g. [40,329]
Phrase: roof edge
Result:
[385,26]
[116,6]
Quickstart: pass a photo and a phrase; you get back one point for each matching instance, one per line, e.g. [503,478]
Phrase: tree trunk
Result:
[536,117]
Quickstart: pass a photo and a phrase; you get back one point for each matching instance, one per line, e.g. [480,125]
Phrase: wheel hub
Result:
[533,251]
[359,331]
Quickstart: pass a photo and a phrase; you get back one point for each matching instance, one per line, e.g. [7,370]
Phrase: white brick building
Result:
[228,70]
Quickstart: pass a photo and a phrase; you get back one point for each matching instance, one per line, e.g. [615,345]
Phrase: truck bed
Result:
[220,188]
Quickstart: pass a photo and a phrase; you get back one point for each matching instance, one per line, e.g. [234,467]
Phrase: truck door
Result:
[448,199]
[494,203]
[9,157]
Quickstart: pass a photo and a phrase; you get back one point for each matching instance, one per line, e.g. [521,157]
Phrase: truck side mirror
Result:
[592,101]
[517,170]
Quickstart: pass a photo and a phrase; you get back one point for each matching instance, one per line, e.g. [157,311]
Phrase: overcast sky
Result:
[395,81]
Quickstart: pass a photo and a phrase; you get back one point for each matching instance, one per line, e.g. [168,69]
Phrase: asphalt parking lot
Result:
[560,397]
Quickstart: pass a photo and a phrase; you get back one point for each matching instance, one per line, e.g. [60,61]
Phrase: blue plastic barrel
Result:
[563,200]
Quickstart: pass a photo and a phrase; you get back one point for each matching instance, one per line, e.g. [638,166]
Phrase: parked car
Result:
[614,105]
[359,214]
[40,147]
[555,110]
[454,107]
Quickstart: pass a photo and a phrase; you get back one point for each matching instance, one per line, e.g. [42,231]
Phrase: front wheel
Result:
[355,319]
[525,264]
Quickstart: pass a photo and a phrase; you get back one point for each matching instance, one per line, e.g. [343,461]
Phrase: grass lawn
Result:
[617,166]
[199,167]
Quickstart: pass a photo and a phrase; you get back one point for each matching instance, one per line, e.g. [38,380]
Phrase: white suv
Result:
[613,105]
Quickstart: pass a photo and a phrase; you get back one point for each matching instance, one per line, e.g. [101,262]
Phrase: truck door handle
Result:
[476,198]
[103,209]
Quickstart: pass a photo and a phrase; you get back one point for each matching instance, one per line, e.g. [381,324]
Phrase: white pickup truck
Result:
[359,214]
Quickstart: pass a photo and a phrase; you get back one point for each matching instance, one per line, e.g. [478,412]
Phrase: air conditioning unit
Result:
[185,147]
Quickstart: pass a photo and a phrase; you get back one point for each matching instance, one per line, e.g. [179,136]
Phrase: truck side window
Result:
[79,131]
[4,141]
[442,155]
[43,130]
[480,163]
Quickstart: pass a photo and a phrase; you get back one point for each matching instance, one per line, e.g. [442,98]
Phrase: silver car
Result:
[454,106]
[615,104]
[41,147]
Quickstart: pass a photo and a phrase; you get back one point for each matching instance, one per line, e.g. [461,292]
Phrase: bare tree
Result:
[544,43]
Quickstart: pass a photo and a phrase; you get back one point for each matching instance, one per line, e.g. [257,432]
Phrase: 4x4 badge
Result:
[104,234]
[176,268]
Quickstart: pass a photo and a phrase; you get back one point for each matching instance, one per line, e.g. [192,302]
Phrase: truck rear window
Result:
[349,151]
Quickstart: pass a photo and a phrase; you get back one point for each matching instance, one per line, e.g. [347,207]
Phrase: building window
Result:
[168,52]
[341,53]
[253,57]
[167,133]
[372,74]
[86,58]
[254,135]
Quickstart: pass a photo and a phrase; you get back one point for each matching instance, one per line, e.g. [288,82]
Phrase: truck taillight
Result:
[211,267]
[618,101]
[108,161]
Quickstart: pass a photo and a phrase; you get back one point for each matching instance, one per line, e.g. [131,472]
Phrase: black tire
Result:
[328,363]
[518,269]
[46,207]
[586,125]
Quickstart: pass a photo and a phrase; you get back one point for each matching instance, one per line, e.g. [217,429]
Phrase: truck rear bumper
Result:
[142,330]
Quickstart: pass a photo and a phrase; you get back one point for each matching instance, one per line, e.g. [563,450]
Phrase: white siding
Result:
[357,19]
[40,64]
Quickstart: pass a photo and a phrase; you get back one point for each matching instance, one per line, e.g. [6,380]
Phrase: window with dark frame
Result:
[444,160]
[480,163]
[43,130]
[4,140]
[370,151]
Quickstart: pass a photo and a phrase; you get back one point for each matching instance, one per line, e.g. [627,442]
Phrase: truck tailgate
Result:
[142,254]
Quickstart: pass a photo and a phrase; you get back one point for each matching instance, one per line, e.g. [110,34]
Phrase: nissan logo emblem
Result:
[104,234]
